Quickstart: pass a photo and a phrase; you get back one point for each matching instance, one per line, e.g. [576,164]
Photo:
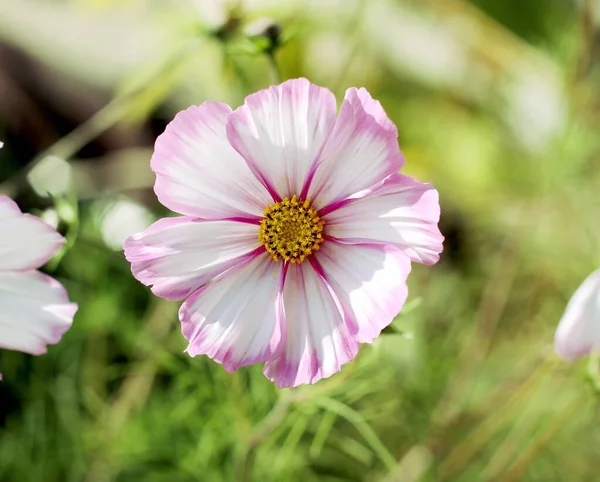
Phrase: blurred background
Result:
[497,103]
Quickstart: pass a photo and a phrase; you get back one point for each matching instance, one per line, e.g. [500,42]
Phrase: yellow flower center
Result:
[291,230]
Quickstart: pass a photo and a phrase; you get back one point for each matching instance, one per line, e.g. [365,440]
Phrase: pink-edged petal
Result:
[373,107]
[403,212]
[34,311]
[578,333]
[361,151]
[26,242]
[280,131]
[238,319]
[198,173]
[178,255]
[317,341]
[369,281]
[8,208]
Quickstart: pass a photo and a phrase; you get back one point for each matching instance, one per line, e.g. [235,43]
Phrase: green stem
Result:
[275,71]
[104,119]
[593,372]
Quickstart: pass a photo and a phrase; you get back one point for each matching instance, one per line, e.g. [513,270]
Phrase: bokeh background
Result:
[497,103]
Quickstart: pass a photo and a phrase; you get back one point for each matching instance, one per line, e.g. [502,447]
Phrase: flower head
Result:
[34,308]
[578,333]
[296,234]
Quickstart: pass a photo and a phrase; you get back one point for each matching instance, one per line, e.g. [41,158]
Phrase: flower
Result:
[34,308]
[296,230]
[578,333]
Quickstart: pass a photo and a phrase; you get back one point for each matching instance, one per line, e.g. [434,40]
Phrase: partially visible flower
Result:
[578,333]
[297,231]
[122,218]
[34,308]
[266,33]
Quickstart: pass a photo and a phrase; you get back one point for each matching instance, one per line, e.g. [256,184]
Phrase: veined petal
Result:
[403,212]
[238,319]
[34,311]
[199,174]
[178,255]
[26,242]
[361,151]
[317,340]
[578,332]
[280,131]
[373,107]
[369,281]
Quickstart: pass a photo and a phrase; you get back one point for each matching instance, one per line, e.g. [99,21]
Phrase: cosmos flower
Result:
[296,232]
[34,308]
[578,333]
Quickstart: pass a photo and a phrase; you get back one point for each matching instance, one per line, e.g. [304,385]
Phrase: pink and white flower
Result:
[34,308]
[296,232]
[578,333]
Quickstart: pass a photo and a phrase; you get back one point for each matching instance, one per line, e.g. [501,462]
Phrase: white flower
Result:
[578,333]
[34,308]
[297,230]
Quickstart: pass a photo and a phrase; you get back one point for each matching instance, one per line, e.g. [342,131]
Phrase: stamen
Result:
[291,230]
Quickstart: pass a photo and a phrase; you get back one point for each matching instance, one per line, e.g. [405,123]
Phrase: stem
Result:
[259,433]
[354,26]
[463,452]
[104,119]
[72,223]
[275,71]
[133,392]
[515,473]
[593,372]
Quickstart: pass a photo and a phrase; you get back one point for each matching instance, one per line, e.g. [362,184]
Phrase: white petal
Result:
[199,174]
[280,131]
[578,332]
[369,281]
[403,212]
[26,242]
[34,311]
[361,151]
[237,319]
[178,255]
[317,341]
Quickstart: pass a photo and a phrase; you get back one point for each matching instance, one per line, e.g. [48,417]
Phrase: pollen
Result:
[291,230]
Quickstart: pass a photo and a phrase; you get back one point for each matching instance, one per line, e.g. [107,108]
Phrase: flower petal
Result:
[361,151]
[27,242]
[34,311]
[403,212]
[280,131]
[373,107]
[178,255]
[369,281]
[199,174]
[317,341]
[237,319]
[578,332]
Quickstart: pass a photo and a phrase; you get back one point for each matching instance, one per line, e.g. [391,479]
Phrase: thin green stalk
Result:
[275,70]
[361,426]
